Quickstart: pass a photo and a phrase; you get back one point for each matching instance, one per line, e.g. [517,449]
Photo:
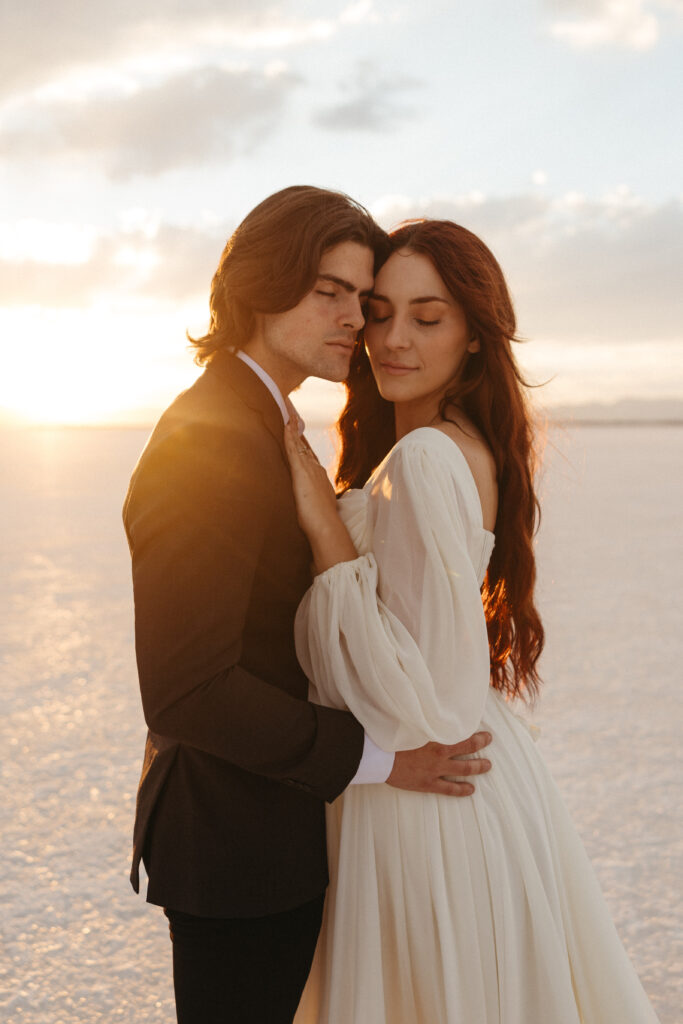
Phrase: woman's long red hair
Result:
[491,393]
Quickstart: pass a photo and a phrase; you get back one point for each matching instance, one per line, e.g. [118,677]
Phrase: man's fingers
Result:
[468,746]
[440,768]
[473,766]
[443,786]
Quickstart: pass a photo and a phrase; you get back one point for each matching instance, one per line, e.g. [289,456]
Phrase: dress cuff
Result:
[354,566]
[375,765]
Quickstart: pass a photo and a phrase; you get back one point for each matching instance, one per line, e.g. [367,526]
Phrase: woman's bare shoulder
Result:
[471,442]
[481,462]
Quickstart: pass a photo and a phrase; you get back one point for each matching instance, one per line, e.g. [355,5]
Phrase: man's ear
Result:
[257,319]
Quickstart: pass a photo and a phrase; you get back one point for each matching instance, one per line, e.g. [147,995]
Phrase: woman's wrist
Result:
[331,545]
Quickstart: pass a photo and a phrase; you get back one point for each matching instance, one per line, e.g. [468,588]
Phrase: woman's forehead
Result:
[409,273]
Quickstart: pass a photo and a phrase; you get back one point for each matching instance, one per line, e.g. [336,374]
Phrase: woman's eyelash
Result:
[330,295]
[383,320]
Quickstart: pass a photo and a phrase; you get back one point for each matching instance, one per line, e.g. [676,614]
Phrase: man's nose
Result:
[354,314]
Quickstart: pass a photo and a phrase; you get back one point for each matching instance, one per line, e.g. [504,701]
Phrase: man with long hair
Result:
[238,763]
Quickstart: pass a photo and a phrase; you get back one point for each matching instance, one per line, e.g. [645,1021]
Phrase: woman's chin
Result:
[391,391]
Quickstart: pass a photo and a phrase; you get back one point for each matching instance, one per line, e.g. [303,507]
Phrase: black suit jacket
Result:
[238,764]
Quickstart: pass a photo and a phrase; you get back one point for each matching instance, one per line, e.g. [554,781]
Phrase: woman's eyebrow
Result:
[413,302]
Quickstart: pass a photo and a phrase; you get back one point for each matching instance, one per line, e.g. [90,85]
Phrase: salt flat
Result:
[79,946]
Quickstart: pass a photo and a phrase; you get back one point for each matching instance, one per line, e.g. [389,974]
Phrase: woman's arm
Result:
[368,652]
[398,635]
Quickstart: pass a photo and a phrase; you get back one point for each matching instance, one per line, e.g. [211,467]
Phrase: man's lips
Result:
[397,369]
[346,346]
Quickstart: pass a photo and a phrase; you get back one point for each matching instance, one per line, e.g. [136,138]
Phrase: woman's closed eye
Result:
[330,295]
[427,323]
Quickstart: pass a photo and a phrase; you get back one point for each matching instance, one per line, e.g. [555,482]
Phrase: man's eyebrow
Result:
[346,285]
[413,302]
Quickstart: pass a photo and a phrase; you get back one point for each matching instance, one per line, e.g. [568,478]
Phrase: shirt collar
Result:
[272,387]
[267,380]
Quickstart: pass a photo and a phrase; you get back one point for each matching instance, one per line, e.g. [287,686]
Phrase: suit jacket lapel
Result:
[251,389]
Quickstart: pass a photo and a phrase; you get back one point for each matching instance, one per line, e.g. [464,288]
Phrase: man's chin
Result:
[335,371]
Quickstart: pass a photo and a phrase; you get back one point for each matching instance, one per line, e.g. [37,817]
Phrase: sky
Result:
[134,137]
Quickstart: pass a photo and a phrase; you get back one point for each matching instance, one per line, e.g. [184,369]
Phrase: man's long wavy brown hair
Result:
[271,260]
[491,392]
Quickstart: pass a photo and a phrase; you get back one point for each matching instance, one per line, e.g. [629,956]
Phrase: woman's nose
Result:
[395,337]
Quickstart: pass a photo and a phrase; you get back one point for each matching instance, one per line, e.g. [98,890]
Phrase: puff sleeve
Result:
[398,635]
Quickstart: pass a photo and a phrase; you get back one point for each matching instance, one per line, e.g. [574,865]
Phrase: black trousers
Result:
[242,970]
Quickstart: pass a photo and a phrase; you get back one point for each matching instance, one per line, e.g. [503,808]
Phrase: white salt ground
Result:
[79,947]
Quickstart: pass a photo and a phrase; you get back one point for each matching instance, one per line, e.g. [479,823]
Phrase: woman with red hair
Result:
[422,621]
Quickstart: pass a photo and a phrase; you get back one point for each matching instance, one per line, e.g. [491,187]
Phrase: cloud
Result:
[204,114]
[43,40]
[603,269]
[630,24]
[371,103]
[170,264]
[359,12]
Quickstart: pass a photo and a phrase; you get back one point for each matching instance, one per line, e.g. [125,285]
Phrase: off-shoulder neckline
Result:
[463,460]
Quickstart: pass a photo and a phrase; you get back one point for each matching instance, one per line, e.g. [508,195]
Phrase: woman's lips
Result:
[396,369]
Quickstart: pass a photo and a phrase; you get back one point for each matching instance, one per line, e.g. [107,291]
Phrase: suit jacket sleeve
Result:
[196,517]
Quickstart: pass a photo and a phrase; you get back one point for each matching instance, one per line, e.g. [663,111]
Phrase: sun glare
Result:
[91,366]
[46,242]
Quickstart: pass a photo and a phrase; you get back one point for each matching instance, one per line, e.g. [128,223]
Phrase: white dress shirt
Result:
[375,764]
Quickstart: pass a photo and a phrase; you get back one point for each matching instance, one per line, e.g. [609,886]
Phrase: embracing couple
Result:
[328,679]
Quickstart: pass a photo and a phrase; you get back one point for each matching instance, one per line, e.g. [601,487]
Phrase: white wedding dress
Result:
[443,910]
